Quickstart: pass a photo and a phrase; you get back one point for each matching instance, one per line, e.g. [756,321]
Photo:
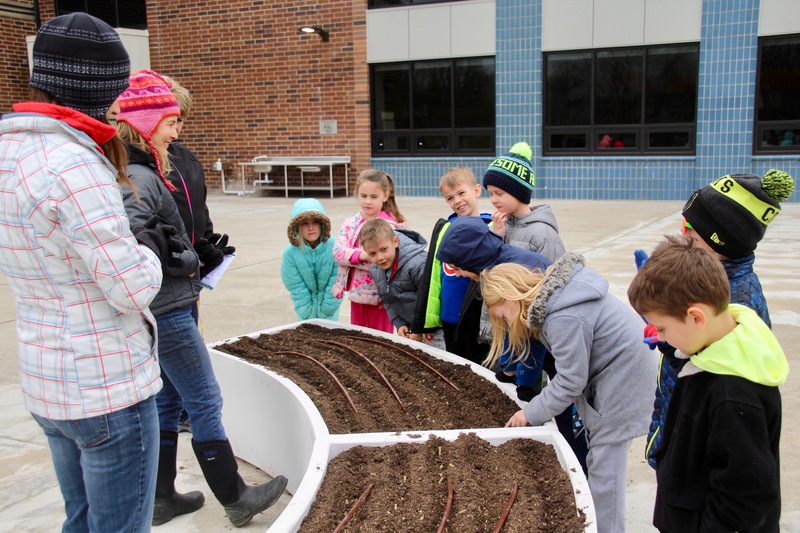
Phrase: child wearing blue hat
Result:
[307,268]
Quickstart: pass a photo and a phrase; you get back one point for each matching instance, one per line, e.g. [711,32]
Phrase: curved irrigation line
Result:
[447,507]
[507,510]
[411,355]
[353,509]
[370,363]
[326,369]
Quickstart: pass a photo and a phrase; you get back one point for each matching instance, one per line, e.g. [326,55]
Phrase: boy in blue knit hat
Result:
[509,180]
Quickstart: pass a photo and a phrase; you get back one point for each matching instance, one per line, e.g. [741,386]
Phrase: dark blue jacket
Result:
[440,296]
[470,245]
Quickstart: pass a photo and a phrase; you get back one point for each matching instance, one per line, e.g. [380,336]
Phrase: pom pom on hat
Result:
[513,173]
[778,184]
[523,149]
[731,214]
[80,60]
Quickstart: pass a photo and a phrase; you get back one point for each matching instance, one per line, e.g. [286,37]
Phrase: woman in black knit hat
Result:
[82,283]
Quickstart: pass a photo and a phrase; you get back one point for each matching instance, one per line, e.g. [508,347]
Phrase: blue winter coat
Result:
[745,290]
[470,245]
[309,273]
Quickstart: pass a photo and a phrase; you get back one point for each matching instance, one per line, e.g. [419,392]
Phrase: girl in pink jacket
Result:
[375,193]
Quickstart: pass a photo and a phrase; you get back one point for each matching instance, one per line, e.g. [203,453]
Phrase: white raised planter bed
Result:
[273,425]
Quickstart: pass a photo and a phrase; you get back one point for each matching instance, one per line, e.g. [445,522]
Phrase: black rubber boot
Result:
[169,503]
[241,502]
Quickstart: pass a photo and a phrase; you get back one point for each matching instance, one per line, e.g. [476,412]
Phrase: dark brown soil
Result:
[429,402]
[410,490]
[411,480]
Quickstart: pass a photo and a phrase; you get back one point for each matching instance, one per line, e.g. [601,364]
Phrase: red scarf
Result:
[99,132]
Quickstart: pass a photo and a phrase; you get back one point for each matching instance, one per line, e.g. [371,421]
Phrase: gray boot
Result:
[170,503]
[254,499]
[241,501]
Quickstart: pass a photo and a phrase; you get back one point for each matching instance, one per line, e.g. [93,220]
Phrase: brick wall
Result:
[14,58]
[259,86]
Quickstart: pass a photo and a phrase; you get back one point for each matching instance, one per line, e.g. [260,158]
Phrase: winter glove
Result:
[161,238]
[651,336]
[651,339]
[210,256]
[640,258]
[221,243]
[502,377]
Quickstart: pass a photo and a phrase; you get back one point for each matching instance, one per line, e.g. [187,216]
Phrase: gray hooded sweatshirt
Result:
[602,363]
[537,231]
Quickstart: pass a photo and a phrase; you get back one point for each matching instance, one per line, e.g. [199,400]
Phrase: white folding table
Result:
[300,162]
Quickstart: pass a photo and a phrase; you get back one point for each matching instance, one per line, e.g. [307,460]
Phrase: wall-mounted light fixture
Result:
[314,29]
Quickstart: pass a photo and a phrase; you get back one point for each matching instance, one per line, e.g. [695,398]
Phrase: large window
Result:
[117,13]
[621,101]
[777,120]
[428,108]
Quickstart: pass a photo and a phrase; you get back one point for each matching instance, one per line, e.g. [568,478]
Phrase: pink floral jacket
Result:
[353,275]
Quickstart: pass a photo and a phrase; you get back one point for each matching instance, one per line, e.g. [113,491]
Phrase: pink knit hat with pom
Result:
[144,104]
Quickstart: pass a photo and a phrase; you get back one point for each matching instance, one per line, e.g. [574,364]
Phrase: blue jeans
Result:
[106,466]
[189,380]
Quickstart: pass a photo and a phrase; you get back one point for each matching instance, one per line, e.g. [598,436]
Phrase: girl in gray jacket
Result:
[602,364]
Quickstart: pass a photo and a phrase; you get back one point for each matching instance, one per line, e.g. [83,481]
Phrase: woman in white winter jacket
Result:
[81,282]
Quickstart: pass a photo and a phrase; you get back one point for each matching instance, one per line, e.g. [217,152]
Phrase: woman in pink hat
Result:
[147,121]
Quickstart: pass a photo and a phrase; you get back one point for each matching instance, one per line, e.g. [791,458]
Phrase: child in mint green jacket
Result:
[307,268]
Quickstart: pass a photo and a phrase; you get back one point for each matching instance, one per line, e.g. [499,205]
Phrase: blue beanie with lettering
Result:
[513,173]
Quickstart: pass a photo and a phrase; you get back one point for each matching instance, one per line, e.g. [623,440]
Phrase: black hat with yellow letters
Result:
[731,214]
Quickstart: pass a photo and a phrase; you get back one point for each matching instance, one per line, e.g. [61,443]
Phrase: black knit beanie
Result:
[513,173]
[80,60]
[732,213]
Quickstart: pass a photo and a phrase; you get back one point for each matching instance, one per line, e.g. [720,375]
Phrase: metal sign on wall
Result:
[328,127]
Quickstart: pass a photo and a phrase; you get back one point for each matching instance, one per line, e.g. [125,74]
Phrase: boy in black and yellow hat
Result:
[727,217]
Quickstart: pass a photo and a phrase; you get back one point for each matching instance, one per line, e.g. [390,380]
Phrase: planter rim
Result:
[266,455]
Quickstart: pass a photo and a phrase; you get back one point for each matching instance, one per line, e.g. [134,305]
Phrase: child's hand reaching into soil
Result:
[518,420]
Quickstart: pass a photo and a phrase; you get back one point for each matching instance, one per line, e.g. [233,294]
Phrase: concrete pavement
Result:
[251,297]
